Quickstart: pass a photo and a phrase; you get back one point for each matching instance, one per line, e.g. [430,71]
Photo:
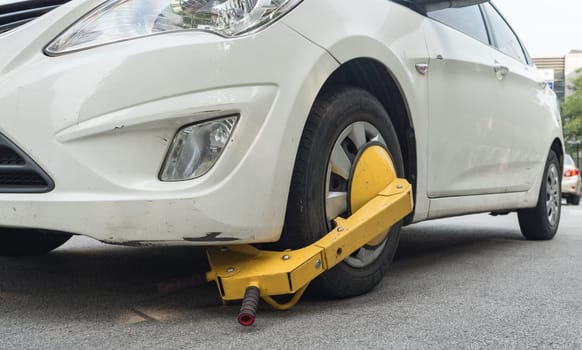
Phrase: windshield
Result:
[568,160]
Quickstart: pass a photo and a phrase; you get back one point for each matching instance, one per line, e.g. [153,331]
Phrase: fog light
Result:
[196,148]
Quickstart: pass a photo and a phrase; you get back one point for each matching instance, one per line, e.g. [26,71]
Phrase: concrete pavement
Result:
[468,282]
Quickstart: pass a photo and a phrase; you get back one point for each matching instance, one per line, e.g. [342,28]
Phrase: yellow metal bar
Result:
[284,307]
[236,268]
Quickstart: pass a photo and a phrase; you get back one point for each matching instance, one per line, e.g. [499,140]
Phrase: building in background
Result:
[572,64]
[559,72]
[552,70]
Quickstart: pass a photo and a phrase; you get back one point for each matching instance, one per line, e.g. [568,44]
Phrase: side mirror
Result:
[433,5]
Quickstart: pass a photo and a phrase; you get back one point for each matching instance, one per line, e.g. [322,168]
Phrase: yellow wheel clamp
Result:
[248,274]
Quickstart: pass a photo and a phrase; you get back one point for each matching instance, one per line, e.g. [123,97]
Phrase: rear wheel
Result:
[342,123]
[27,242]
[576,199]
[541,222]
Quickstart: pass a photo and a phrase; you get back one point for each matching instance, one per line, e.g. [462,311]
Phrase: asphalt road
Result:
[469,282]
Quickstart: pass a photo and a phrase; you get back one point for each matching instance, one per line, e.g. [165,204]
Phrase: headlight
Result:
[117,20]
[196,148]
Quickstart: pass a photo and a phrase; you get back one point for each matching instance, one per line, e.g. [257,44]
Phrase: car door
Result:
[525,102]
[469,144]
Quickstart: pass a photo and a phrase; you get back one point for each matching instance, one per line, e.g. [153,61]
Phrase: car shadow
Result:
[425,239]
[100,283]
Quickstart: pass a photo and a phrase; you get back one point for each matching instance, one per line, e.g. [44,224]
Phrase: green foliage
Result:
[572,114]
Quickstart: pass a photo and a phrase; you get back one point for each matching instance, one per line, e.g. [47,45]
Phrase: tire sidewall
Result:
[542,206]
[334,113]
[534,222]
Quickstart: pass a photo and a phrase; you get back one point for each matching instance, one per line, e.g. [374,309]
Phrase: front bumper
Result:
[571,185]
[99,123]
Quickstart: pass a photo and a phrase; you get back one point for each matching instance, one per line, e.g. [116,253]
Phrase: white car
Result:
[571,182]
[203,122]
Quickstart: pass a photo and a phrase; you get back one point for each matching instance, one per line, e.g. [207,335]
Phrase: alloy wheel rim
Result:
[553,195]
[351,141]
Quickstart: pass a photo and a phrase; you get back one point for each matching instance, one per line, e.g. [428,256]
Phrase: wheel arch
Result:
[558,147]
[373,76]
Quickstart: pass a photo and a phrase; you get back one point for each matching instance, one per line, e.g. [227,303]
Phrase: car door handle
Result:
[501,71]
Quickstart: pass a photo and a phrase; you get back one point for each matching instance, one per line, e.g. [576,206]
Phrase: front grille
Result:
[9,157]
[18,12]
[19,173]
[29,179]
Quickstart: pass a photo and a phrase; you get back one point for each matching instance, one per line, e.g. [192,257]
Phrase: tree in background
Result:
[572,116]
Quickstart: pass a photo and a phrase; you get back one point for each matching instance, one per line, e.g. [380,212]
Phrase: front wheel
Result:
[541,223]
[342,123]
[28,242]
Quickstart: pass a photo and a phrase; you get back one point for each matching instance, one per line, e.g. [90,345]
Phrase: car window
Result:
[504,37]
[568,160]
[468,20]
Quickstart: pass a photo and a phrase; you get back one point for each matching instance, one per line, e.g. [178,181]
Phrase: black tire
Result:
[575,199]
[568,199]
[536,223]
[28,242]
[306,220]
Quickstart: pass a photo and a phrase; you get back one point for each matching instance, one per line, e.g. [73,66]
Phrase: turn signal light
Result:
[571,172]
